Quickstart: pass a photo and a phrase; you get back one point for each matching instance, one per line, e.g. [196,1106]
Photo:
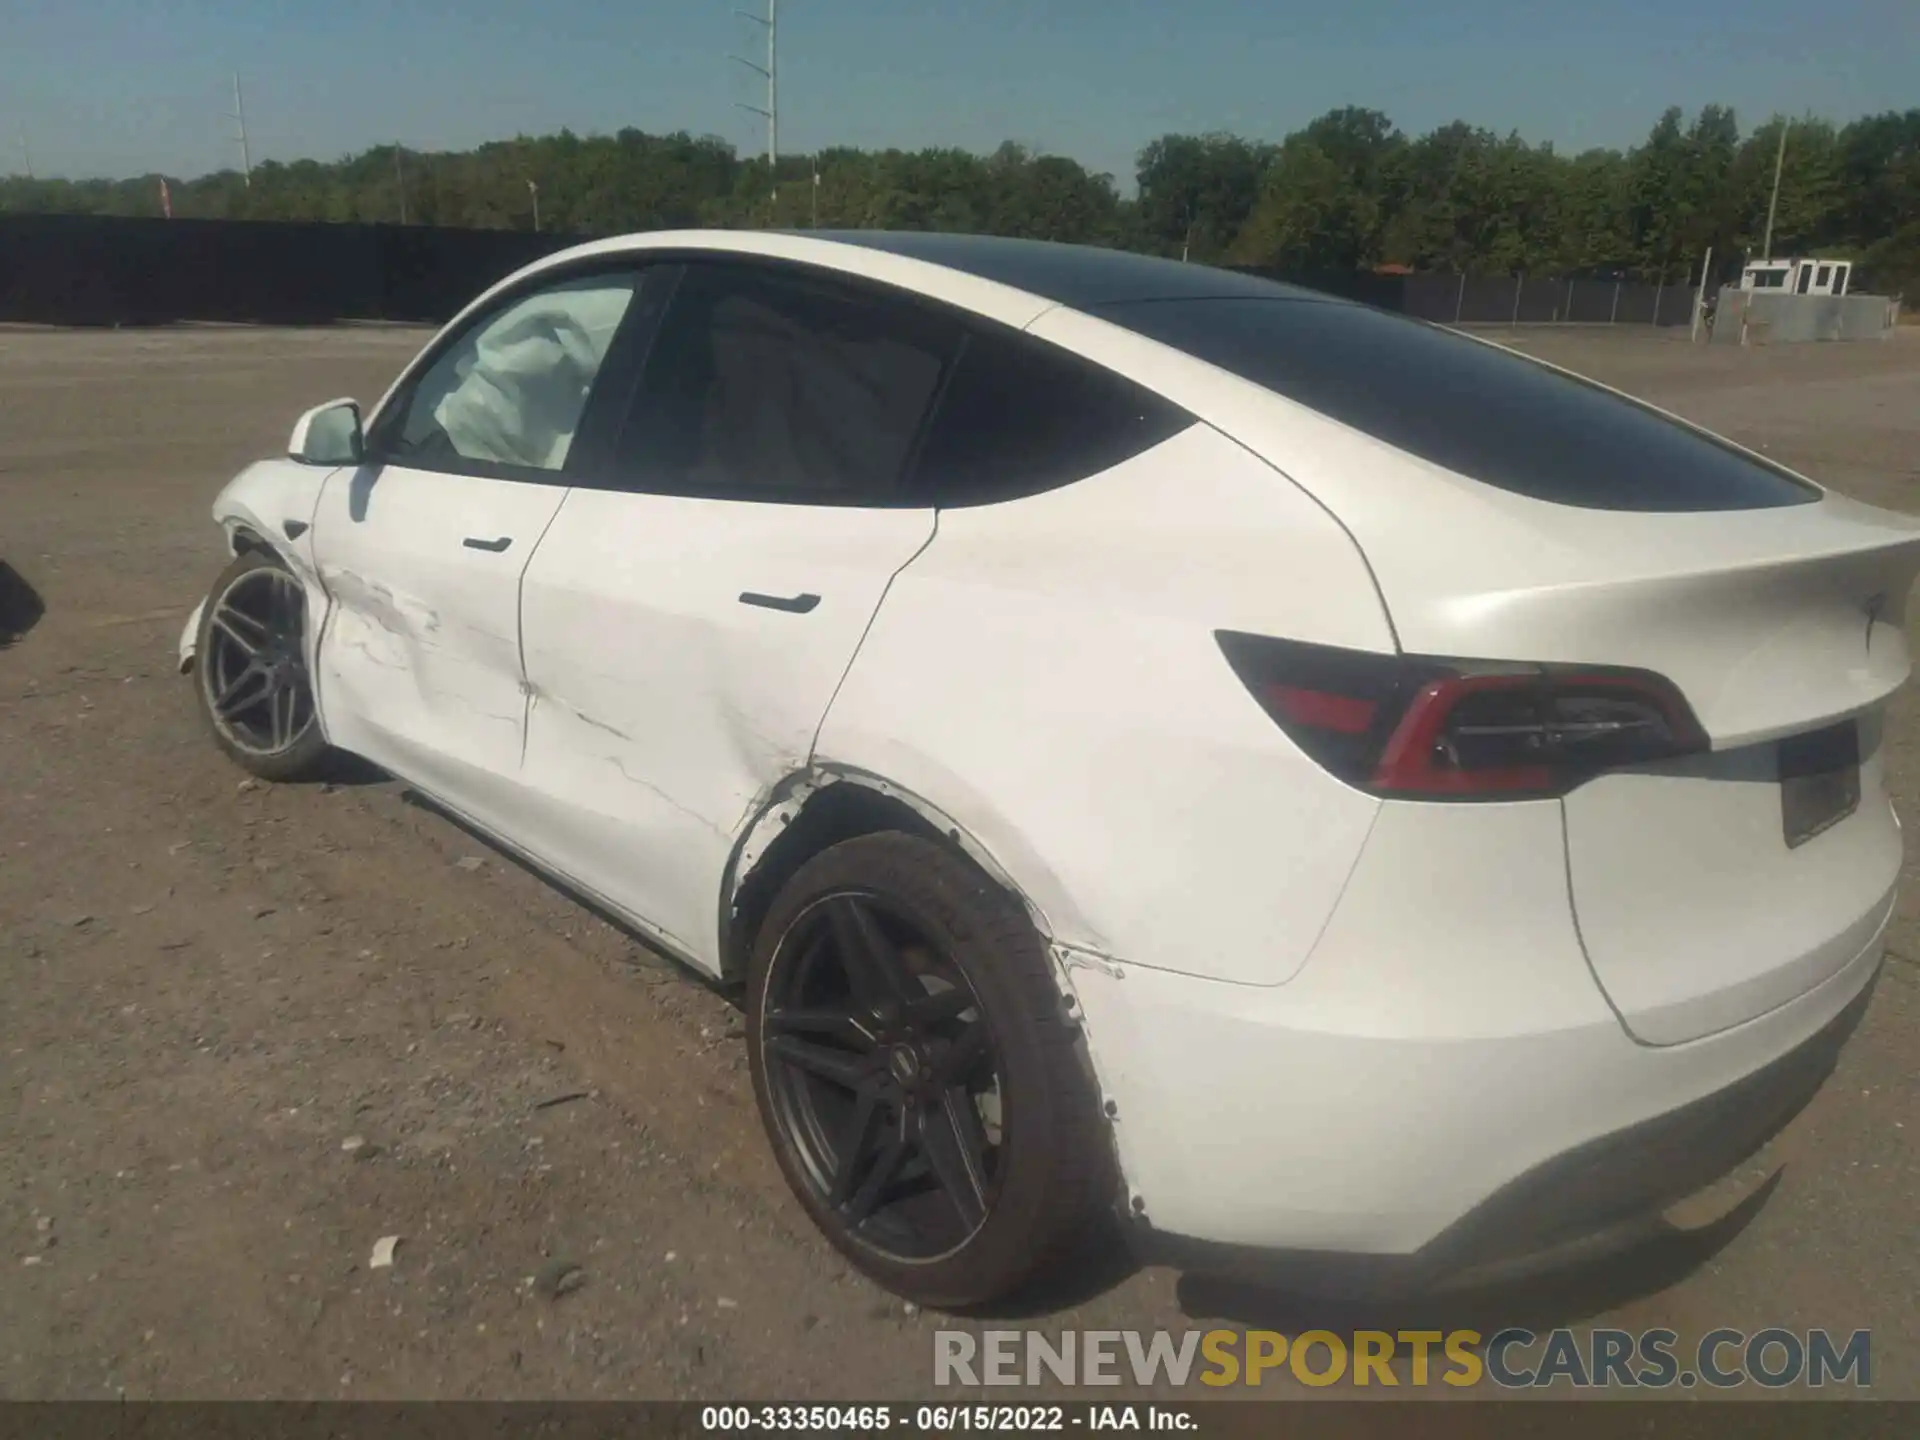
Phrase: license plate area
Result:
[1819,781]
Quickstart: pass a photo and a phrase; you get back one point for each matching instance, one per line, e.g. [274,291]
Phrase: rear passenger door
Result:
[690,614]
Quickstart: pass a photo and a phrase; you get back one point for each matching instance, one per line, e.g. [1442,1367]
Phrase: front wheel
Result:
[923,1087]
[251,674]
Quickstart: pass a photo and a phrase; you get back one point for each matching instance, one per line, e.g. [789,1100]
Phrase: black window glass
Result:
[766,385]
[1485,412]
[1020,416]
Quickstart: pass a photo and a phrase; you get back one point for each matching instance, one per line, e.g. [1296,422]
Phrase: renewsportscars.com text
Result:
[1511,1359]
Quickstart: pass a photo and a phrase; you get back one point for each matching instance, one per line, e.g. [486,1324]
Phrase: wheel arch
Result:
[827,803]
[820,806]
[243,539]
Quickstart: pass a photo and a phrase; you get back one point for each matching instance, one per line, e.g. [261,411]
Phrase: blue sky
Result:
[121,87]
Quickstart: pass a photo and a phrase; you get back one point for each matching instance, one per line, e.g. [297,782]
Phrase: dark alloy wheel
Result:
[252,666]
[917,1074]
[884,1077]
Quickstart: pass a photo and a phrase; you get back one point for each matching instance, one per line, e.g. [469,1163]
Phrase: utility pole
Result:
[771,72]
[1700,296]
[26,155]
[239,118]
[816,190]
[1779,158]
[534,191]
[400,179]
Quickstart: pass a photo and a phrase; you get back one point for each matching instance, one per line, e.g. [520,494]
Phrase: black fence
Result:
[1509,299]
[106,270]
[1546,300]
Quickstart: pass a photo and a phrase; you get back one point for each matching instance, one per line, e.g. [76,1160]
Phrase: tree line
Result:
[1350,191]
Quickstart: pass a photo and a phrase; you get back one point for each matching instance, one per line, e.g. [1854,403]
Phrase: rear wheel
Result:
[924,1090]
[252,679]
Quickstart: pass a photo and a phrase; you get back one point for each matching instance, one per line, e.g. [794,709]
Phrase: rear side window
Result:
[768,386]
[1020,416]
[1484,412]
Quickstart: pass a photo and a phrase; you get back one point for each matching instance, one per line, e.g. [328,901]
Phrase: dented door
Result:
[419,665]
[688,621]
[681,653]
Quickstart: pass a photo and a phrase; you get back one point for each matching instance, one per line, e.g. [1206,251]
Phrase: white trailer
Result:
[1797,277]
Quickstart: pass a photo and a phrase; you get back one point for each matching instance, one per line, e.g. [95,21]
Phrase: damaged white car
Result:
[1143,736]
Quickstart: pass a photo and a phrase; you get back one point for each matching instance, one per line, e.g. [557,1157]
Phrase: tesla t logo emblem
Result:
[1873,608]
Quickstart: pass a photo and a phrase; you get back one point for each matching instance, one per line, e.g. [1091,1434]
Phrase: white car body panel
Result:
[664,709]
[255,507]
[1414,1066]
[1043,672]
[1772,622]
[1324,1020]
[419,663]
[1695,913]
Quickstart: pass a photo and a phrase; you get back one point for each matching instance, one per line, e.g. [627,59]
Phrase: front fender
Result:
[272,503]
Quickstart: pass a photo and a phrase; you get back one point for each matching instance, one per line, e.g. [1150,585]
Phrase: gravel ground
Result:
[250,1031]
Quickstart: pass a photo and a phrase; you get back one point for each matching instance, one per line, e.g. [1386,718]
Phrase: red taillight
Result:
[1430,728]
[1323,710]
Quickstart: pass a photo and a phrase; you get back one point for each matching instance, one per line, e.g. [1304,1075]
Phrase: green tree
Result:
[1347,191]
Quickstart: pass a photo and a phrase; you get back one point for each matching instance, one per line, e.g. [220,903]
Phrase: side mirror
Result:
[328,434]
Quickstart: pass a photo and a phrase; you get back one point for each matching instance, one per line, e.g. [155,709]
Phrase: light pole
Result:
[771,73]
[239,118]
[1779,158]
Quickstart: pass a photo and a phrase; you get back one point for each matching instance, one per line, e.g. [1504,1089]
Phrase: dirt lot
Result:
[211,987]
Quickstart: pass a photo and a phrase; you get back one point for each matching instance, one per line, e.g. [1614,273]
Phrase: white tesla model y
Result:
[1140,735]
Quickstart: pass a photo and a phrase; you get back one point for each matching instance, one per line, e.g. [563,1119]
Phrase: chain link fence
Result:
[1460,299]
[1545,300]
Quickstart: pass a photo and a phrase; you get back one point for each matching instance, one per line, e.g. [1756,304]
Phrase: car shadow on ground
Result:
[343,771]
[21,607]
[1566,1296]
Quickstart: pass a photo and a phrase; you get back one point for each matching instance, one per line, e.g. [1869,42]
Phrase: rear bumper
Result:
[1429,1097]
[1596,1198]
[1610,1182]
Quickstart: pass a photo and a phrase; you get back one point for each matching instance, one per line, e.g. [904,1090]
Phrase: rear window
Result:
[1484,412]
[1019,417]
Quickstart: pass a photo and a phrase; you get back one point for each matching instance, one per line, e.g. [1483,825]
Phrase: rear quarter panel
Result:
[1045,673]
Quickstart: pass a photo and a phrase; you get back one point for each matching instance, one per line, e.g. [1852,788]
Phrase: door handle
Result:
[496,546]
[792,604]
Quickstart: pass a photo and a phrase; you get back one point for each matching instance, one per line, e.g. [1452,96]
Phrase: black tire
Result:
[959,940]
[258,701]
